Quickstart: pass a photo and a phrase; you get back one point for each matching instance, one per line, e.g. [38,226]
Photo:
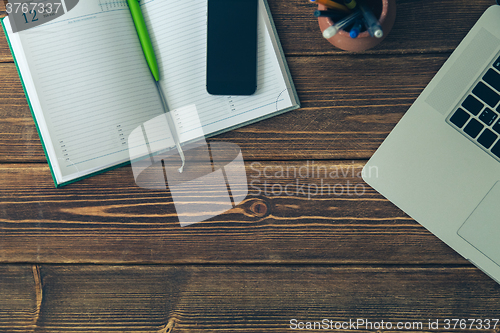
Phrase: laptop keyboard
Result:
[478,116]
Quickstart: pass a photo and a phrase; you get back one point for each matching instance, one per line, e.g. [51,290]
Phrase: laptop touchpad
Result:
[482,227]
[463,71]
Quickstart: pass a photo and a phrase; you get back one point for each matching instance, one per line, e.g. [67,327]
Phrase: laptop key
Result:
[488,95]
[496,149]
[496,127]
[488,116]
[496,64]
[473,128]
[459,118]
[472,104]
[487,138]
[492,78]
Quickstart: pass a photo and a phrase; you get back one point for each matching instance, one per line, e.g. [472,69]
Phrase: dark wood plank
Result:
[335,122]
[5,55]
[20,297]
[277,256]
[291,218]
[257,298]
[421,26]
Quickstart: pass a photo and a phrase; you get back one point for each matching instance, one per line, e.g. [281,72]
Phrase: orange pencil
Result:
[332,5]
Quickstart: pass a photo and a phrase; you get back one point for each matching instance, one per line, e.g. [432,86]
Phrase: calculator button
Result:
[487,138]
[473,128]
[459,118]
[472,104]
[488,116]
[488,95]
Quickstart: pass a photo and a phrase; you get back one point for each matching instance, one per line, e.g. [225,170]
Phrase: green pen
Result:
[142,31]
[149,53]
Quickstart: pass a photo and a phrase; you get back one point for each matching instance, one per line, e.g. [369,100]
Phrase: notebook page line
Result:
[184,72]
[102,119]
[98,117]
[71,98]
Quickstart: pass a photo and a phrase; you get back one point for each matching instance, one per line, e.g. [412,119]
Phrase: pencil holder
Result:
[385,10]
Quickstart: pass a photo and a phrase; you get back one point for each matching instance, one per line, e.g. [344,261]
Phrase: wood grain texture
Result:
[5,55]
[19,298]
[255,298]
[421,26]
[333,123]
[302,245]
[311,218]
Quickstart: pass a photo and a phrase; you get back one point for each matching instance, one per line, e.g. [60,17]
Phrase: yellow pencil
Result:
[332,5]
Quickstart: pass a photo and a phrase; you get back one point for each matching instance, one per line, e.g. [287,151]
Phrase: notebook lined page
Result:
[179,33]
[93,84]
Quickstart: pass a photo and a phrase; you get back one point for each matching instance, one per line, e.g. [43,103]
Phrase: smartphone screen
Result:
[232,47]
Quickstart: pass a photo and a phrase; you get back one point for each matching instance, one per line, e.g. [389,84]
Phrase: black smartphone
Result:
[232,47]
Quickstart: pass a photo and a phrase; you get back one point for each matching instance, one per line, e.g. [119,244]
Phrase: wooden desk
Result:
[105,255]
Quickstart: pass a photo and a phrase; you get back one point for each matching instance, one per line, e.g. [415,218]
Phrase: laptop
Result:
[441,163]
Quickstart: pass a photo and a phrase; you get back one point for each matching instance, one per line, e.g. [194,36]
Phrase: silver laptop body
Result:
[441,163]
